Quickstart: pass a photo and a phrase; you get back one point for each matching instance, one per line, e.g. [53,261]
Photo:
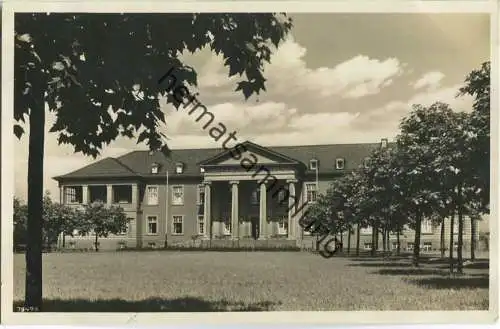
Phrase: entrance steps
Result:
[250,244]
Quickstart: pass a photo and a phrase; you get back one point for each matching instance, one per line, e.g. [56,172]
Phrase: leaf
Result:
[18,131]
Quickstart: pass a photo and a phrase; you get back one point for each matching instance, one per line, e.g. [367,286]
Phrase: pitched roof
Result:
[107,167]
[138,163]
[353,154]
[252,148]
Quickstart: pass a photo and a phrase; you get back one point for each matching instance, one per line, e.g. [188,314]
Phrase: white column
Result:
[109,194]
[61,194]
[291,209]
[206,212]
[85,194]
[135,195]
[234,210]
[263,212]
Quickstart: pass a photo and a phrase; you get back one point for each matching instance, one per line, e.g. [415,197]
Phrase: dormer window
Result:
[179,167]
[366,162]
[339,163]
[313,164]
[384,143]
[154,168]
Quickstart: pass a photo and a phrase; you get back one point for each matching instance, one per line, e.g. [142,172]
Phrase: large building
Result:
[217,197]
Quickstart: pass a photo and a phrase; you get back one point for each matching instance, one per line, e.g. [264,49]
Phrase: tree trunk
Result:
[358,230]
[472,238]
[388,239]
[460,240]
[96,243]
[452,224]
[33,284]
[342,237]
[374,236]
[384,240]
[63,240]
[398,248]
[416,244]
[442,238]
[349,241]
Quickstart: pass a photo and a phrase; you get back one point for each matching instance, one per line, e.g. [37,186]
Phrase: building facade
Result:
[246,196]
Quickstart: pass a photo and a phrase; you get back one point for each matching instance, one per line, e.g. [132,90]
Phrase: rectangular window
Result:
[178,195]
[426,226]
[201,224]
[200,195]
[313,164]
[394,245]
[311,192]
[73,194]
[179,168]
[177,225]
[409,246]
[152,225]
[339,164]
[122,194]
[98,193]
[427,246]
[367,246]
[152,195]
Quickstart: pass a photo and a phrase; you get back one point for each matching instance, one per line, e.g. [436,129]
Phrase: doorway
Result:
[255,227]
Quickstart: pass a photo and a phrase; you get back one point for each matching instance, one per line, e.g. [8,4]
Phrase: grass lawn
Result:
[249,281]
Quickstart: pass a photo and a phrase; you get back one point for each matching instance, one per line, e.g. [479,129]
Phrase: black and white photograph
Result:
[232,157]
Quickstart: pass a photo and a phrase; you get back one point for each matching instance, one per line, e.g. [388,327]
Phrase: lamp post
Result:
[166,210]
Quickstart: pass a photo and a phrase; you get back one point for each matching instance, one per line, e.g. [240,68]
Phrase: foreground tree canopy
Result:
[83,64]
[99,73]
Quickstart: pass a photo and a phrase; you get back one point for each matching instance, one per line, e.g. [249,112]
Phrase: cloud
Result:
[390,114]
[431,80]
[446,95]
[288,74]
[235,116]
[354,78]
[309,122]
[213,74]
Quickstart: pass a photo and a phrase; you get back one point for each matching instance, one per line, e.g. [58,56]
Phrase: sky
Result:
[337,78]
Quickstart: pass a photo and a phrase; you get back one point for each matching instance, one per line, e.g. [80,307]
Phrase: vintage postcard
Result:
[249,162]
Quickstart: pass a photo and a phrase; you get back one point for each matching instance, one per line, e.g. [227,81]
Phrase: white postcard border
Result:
[311,318]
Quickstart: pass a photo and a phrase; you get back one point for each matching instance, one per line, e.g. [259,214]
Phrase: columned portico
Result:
[250,208]
[235,222]
[252,194]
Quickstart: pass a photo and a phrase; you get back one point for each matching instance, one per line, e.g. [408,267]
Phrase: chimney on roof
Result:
[384,143]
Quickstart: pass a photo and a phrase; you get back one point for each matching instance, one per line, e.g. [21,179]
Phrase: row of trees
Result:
[437,168]
[58,219]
